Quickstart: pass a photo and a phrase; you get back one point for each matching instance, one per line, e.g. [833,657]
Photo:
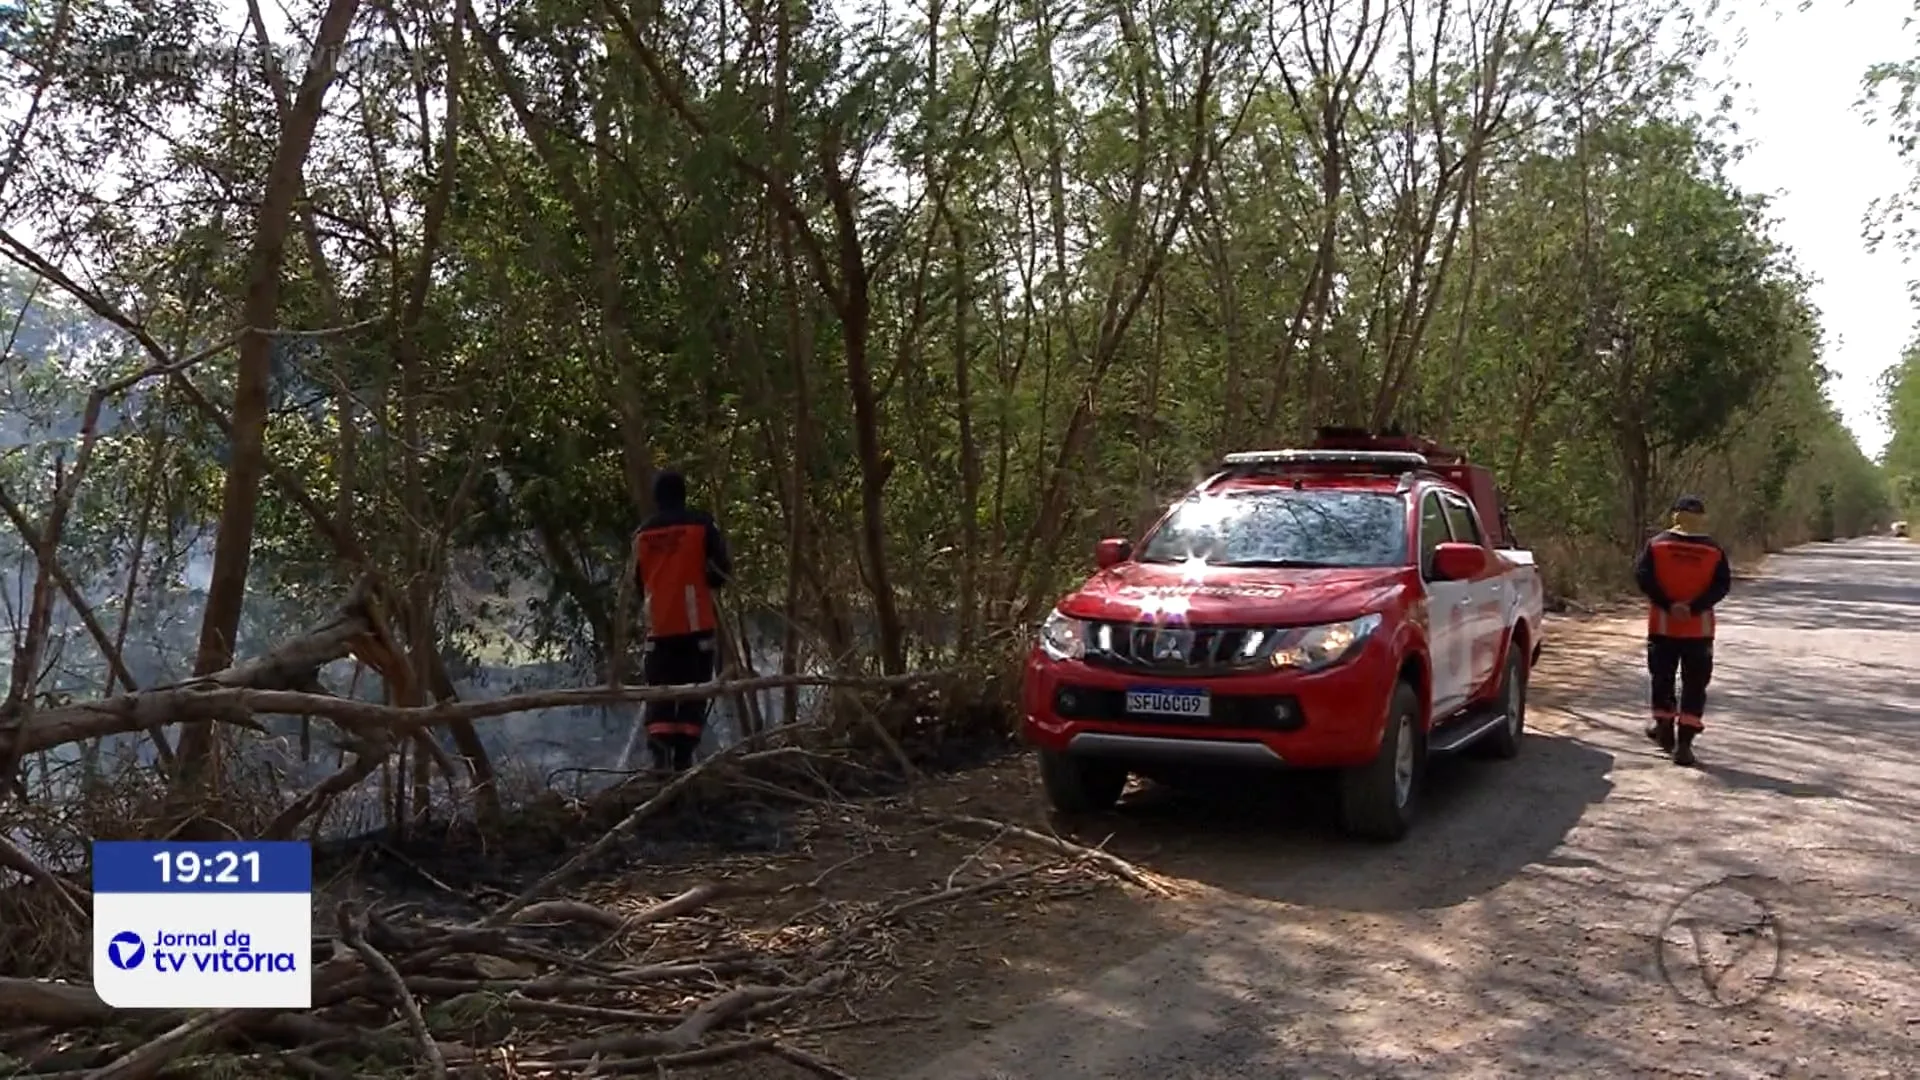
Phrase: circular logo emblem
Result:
[1721,946]
[126,950]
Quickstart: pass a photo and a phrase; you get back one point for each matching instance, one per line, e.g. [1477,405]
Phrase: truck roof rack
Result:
[1255,462]
[1352,438]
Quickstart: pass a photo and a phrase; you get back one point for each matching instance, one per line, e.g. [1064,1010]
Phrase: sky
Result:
[1816,155]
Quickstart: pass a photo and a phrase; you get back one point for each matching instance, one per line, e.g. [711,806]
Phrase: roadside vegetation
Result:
[1902,457]
[1892,90]
[372,373]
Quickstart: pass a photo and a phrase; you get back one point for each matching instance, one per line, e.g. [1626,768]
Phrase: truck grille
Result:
[1187,650]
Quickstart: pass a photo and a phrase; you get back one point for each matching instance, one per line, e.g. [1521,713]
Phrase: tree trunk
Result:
[969,450]
[233,542]
[856,313]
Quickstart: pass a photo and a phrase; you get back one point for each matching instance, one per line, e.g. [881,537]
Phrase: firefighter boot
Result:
[1683,747]
[1661,732]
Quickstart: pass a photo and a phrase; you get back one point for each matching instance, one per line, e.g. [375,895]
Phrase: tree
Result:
[1900,388]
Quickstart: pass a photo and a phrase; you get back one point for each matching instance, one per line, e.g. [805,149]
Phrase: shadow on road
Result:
[1273,996]
[1278,838]
[1772,727]
[1517,931]
[1742,779]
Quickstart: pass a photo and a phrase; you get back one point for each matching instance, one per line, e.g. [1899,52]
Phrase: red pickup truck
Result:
[1358,606]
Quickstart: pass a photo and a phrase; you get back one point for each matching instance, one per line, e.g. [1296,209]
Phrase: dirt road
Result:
[1519,931]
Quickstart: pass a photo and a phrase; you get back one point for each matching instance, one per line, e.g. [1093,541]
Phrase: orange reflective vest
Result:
[678,561]
[1682,568]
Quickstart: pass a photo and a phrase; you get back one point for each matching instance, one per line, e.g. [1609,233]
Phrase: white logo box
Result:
[203,926]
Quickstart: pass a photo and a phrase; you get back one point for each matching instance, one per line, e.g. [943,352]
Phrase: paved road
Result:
[1519,931]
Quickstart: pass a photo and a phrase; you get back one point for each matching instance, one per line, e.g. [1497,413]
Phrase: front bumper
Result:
[1325,719]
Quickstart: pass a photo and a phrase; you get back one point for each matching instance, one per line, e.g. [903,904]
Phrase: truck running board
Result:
[1464,730]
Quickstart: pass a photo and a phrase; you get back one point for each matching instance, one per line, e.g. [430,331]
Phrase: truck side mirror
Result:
[1112,552]
[1459,562]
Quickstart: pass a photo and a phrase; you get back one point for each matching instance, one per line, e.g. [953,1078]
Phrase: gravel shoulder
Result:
[1519,931]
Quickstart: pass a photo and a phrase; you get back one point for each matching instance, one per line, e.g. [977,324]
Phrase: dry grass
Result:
[1582,570]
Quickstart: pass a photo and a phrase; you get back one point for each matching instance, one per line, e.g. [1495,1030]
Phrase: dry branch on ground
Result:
[623,988]
[598,979]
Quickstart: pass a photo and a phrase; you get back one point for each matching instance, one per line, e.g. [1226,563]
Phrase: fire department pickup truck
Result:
[1356,606]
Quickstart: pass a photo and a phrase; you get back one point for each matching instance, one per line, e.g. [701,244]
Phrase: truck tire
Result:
[1078,786]
[1378,799]
[1504,741]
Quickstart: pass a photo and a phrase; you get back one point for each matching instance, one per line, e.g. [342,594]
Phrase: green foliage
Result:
[1079,254]
[1900,386]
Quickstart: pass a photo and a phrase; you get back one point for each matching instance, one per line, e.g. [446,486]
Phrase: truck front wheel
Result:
[1377,800]
[1079,786]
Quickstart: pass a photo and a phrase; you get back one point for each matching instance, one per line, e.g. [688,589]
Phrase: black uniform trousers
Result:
[674,727]
[1691,659]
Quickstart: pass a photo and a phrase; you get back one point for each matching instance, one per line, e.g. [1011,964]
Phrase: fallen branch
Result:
[563,984]
[664,797]
[1118,866]
[294,664]
[366,761]
[568,911]
[57,1005]
[583,1012]
[658,1064]
[708,1015]
[17,860]
[150,1057]
[685,903]
[830,948]
[813,1063]
[210,699]
[574,866]
[350,934]
[653,1065]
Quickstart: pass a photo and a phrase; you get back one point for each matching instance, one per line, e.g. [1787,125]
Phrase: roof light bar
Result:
[1394,460]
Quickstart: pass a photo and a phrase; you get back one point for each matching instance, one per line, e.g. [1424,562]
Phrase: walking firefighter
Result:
[1684,574]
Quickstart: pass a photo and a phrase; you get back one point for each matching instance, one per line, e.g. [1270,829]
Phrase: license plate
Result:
[1169,701]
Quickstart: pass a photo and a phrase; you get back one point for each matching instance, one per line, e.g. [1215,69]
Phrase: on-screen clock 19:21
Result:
[222,868]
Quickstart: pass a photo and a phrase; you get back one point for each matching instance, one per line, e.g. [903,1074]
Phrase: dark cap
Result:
[1689,504]
[669,490]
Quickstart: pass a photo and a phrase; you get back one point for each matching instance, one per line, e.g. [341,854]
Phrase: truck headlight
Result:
[1318,647]
[1063,638]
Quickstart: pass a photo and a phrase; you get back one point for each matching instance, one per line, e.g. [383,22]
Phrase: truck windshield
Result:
[1283,528]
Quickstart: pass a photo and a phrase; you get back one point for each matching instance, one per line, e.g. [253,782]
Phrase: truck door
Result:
[1449,611]
[1487,601]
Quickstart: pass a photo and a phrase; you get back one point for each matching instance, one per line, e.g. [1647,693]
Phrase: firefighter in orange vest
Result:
[1684,574]
[680,559]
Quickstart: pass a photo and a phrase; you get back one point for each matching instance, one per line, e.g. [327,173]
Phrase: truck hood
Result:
[1135,591]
